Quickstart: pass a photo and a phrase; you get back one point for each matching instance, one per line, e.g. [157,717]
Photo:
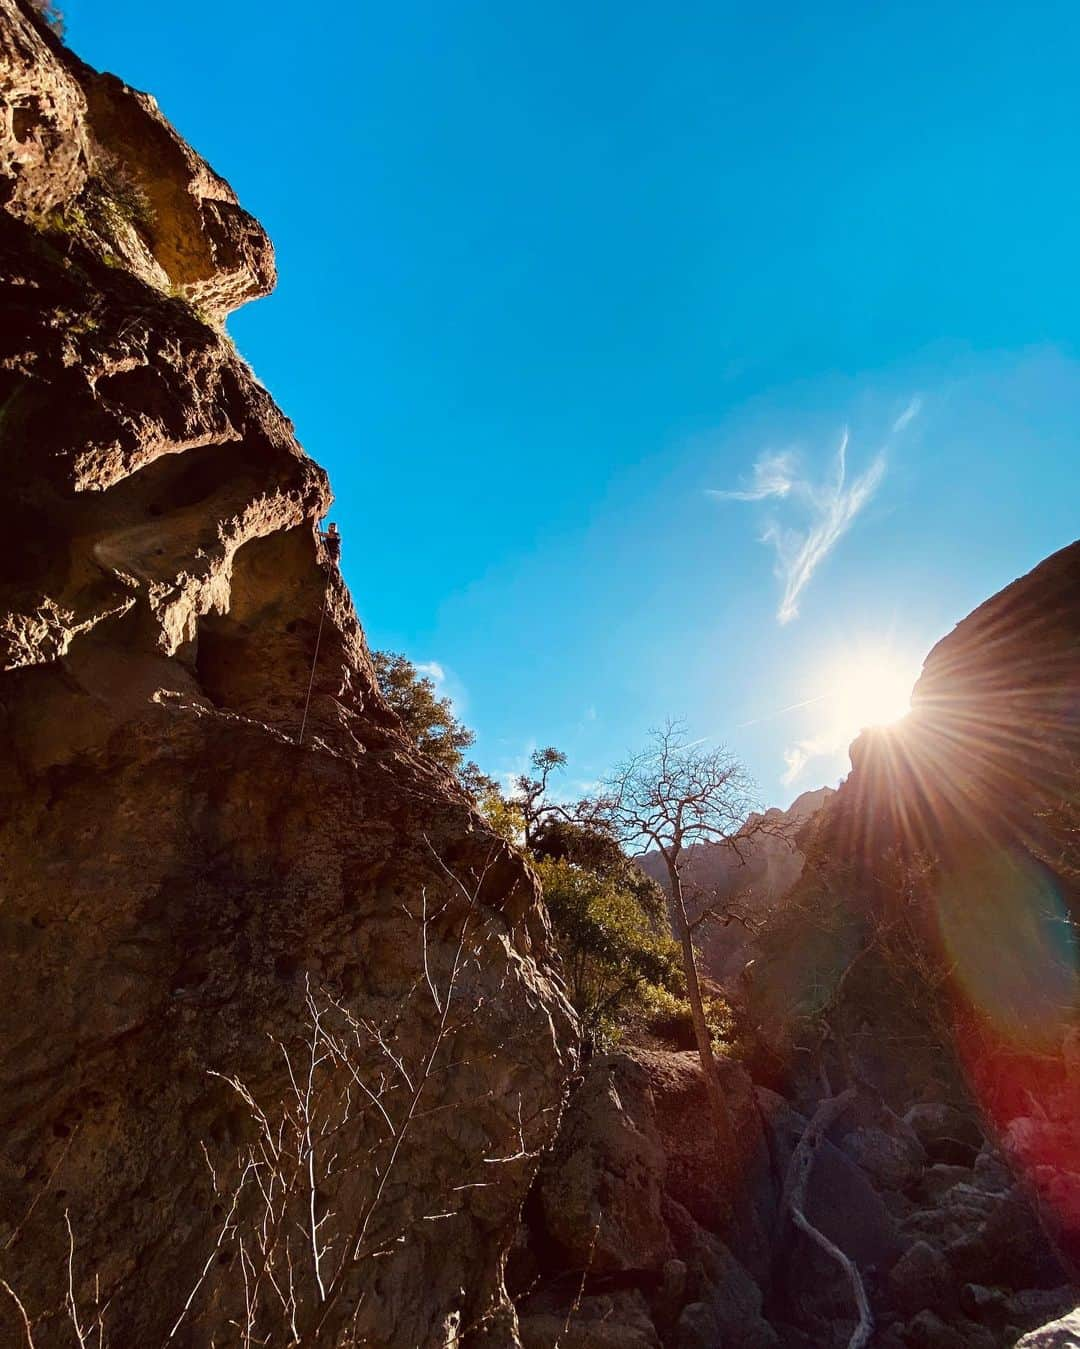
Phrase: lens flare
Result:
[1009,940]
[1010,937]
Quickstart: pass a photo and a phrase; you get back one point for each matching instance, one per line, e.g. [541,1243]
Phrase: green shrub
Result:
[615,960]
[668,1017]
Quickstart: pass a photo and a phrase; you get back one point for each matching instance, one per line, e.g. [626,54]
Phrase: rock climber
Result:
[332,540]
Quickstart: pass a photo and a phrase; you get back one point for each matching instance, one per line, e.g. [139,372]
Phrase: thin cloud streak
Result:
[781,711]
[774,476]
[908,415]
[832,507]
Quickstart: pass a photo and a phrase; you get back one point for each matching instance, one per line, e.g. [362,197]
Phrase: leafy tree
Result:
[50,12]
[501,813]
[427,717]
[430,720]
[531,794]
[576,832]
[612,954]
[593,847]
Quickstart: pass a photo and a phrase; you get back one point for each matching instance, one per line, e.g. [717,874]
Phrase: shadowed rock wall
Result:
[176,871]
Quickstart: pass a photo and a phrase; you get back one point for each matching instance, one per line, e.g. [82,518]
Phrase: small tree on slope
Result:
[672,795]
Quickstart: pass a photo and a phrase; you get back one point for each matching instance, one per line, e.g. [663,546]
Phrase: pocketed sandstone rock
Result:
[179,871]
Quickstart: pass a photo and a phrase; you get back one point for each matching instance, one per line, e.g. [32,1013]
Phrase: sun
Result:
[863,684]
[869,687]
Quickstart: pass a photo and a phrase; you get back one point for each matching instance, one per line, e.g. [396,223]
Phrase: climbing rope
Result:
[314,661]
[331,542]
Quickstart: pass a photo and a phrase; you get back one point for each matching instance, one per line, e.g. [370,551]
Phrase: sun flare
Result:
[869,688]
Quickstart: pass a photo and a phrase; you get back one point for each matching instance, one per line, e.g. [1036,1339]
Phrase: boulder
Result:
[670,1297]
[982,1304]
[893,1160]
[695,1166]
[928,1331]
[697,1328]
[601,1206]
[990,1237]
[938,1179]
[944,1131]
[922,1280]
[600,1190]
[1061,1334]
[718,1280]
[841,1201]
[1036,1306]
[994,1238]
[992,1173]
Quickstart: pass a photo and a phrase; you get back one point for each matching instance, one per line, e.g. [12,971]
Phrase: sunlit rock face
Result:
[178,873]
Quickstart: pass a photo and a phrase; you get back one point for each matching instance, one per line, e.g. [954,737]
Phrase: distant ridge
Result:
[752,884]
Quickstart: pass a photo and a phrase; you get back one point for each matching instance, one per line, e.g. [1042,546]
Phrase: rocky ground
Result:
[625,1243]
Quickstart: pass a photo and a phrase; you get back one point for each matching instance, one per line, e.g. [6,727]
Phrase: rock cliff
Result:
[281,1037]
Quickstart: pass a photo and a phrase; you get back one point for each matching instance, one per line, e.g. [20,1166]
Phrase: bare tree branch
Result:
[796,1186]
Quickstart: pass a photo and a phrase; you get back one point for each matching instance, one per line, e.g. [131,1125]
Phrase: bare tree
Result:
[674,794]
[295,1254]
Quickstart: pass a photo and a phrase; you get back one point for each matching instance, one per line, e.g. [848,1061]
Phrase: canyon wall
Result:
[928,955]
[252,941]
[955,831]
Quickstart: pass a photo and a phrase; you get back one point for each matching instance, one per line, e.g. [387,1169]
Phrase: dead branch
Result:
[724,917]
[280,1259]
[23,1316]
[796,1186]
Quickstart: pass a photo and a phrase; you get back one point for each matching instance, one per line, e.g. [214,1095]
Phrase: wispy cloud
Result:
[447,684]
[774,476]
[831,506]
[797,756]
[432,670]
[908,415]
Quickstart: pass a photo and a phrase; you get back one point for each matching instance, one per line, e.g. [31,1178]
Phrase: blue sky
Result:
[552,274]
